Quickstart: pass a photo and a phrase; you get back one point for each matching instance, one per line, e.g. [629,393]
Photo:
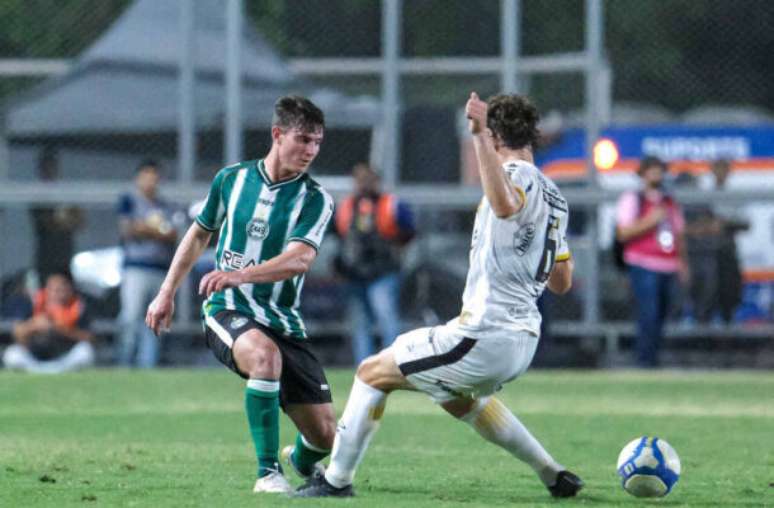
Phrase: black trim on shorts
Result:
[431,362]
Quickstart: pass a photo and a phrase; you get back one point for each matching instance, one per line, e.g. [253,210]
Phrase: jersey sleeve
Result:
[316,213]
[125,206]
[214,210]
[626,209]
[524,184]
[405,218]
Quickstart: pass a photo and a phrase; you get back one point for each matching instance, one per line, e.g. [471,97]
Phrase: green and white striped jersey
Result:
[257,219]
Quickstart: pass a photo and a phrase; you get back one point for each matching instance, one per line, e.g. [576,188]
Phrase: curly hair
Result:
[293,111]
[513,120]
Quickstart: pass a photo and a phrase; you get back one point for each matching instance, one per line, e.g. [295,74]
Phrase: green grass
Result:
[179,438]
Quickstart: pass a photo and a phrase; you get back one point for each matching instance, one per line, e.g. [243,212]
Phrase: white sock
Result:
[495,423]
[357,425]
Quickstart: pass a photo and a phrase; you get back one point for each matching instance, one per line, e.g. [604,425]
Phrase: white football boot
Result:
[274,482]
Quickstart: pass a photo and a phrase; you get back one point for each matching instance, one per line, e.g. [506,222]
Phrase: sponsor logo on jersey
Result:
[522,238]
[258,229]
[519,311]
[231,260]
[551,195]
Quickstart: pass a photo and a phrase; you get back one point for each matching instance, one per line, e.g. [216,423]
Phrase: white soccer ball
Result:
[648,467]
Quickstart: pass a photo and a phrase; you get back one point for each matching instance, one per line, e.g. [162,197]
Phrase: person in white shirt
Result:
[518,248]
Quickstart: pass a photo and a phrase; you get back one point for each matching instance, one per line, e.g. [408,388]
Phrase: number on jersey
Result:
[550,245]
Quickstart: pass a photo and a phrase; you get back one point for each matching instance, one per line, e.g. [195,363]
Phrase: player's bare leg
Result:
[376,377]
[257,356]
[498,425]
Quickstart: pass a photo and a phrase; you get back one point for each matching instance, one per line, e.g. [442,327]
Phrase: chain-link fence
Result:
[90,88]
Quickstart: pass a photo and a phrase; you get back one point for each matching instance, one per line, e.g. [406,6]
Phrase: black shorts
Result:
[302,380]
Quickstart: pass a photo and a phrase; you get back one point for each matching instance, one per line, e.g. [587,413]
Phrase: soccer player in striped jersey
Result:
[518,249]
[270,216]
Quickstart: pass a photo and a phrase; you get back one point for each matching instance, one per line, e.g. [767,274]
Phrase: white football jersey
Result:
[511,258]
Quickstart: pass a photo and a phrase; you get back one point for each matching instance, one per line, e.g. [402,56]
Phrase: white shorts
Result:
[446,365]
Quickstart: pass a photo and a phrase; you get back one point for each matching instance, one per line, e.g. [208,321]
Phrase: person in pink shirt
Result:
[650,225]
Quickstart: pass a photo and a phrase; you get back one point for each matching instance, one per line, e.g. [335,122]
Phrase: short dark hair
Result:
[513,120]
[649,161]
[294,111]
[148,163]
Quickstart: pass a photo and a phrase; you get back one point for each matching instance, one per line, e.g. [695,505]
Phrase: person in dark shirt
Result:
[55,226]
[148,240]
[373,227]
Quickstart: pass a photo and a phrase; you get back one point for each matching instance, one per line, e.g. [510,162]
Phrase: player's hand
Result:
[217,280]
[160,312]
[475,110]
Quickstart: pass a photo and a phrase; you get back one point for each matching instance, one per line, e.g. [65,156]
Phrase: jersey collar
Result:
[267,180]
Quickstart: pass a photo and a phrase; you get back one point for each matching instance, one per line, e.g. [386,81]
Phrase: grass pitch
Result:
[179,438]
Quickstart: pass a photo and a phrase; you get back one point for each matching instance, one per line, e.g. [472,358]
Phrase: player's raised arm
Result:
[499,191]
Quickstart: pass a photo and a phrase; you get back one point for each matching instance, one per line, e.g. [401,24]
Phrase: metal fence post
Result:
[186,140]
[510,24]
[233,127]
[186,136]
[594,40]
[391,103]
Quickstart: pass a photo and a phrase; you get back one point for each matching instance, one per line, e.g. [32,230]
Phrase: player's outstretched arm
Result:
[162,307]
[560,280]
[498,189]
[295,260]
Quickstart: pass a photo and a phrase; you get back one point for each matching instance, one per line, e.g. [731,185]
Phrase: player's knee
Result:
[379,371]
[368,371]
[262,362]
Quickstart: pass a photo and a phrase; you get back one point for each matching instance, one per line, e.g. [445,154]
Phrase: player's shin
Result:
[262,407]
[495,423]
[357,425]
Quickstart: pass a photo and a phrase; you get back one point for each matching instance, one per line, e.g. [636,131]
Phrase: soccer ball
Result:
[648,467]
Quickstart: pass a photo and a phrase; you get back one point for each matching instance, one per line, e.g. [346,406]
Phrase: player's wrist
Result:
[166,292]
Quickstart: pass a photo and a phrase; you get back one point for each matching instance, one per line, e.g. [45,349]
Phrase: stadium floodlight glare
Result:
[605,154]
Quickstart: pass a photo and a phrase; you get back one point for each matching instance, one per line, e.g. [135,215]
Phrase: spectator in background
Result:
[55,226]
[650,225]
[373,227]
[710,233]
[55,337]
[148,240]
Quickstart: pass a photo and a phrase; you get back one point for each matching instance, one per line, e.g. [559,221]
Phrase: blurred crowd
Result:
[681,263]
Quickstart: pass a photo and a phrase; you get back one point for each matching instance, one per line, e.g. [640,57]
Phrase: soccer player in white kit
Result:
[518,248]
